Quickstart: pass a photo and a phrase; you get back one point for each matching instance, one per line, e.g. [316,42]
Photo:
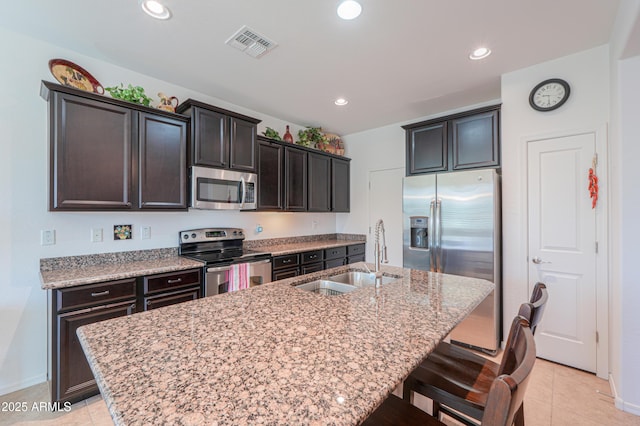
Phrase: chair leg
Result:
[518,419]
[407,390]
[435,411]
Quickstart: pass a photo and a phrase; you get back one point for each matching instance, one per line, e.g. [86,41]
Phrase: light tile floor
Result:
[556,396]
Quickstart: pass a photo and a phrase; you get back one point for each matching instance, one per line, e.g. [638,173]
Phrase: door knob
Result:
[538,261]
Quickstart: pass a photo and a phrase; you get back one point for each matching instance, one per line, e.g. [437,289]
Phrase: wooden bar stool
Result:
[504,398]
[458,379]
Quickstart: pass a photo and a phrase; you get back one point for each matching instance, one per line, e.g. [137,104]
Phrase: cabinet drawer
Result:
[312,256]
[170,281]
[285,261]
[355,249]
[334,263]
[355,259]
[312,267]
[335,253]
[284,274]
[171,298]
[95,294]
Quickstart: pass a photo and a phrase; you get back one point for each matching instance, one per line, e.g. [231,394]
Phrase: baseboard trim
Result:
[23,384]
[620,403]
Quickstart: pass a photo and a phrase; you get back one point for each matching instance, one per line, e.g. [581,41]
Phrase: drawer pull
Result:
[286,261]
[313,257]
[179,280]
[102,293]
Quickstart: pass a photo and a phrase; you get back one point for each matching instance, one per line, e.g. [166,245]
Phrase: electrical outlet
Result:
[96,235]
[47,237]
[314,224]
[145,232]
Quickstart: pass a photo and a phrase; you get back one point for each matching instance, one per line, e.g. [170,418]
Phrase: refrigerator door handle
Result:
[438,235]
[432,240]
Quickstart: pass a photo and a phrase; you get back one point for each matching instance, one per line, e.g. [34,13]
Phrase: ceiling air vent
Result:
[250,42]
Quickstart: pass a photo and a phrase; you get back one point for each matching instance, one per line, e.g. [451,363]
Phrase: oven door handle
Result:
[259,262]
[219,269]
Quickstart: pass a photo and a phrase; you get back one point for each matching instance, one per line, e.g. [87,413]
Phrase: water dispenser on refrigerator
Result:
[420,232]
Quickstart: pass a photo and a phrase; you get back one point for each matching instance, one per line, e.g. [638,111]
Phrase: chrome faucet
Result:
[380,252]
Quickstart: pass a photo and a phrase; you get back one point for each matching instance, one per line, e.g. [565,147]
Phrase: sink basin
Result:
[360,279]
[326,287]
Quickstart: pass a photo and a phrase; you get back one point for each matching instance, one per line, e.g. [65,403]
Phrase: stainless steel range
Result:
[221,251]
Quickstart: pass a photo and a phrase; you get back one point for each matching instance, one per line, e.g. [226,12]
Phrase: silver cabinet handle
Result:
[179,280]
[102,293]
[220,269]
[538,261]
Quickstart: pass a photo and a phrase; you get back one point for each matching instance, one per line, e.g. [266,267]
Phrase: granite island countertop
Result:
[274,354]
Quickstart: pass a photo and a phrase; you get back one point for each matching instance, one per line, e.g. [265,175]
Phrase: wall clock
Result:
[549,94]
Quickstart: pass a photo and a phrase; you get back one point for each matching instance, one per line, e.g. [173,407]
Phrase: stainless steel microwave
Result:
[220,189]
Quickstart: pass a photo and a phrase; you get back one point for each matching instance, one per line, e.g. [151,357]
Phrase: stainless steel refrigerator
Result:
[452,225]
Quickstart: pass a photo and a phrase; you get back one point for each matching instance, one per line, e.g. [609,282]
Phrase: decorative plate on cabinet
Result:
[72,75]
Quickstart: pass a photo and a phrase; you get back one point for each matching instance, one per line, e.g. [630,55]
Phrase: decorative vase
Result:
[287,136]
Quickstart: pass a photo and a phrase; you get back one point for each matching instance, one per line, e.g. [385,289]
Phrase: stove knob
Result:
[193,235]
[240,233]
[185,237]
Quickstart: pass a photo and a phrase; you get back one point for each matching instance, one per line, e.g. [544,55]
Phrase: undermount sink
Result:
[360,279]
[326,287]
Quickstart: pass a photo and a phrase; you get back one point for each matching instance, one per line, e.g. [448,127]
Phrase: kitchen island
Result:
[275,354]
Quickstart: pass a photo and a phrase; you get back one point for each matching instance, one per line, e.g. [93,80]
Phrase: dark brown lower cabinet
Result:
[71,378]
[292,265]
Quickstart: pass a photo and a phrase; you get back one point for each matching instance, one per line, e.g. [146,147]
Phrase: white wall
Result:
[627,290]
[23,211]
[586,109]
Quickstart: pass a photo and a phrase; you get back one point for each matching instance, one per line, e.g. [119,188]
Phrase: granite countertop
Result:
[72,271]
[274,354]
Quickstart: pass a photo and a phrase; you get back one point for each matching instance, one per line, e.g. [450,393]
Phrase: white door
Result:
[385,202]
[562,247]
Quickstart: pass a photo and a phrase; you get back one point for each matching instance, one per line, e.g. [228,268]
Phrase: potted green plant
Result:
[130,93]
[272,134]
[312,136]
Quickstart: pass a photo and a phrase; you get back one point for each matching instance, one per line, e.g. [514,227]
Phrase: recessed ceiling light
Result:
[155,9]
[349,9]
[480,53]
[341,101]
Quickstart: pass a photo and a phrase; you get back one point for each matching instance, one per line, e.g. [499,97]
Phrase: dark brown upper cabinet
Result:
[107,154]
[221,138]
[340,185]
[475,141]
[319,190]
[462,141]
[270,175]
[295,179]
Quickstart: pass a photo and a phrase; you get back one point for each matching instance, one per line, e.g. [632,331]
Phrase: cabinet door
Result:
[210,138]
[243,145]
[475,141]
[72,376]
[427,149]
[270,157]
[313,267]
[319,183]
[91,154]
[162,162]
[340,185]
[295,178]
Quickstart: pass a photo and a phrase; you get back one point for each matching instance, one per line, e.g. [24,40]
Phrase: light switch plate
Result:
[145,232]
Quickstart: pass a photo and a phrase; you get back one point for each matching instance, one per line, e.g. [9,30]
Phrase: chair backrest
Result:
[507,390]
[539,298]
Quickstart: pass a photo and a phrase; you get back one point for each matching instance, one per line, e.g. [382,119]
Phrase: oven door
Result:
[217,277]
[218,189]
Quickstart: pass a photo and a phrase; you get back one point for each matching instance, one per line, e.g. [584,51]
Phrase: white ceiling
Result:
[398,61]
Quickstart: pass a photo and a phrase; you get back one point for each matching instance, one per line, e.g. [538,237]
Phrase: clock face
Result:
[549,95]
